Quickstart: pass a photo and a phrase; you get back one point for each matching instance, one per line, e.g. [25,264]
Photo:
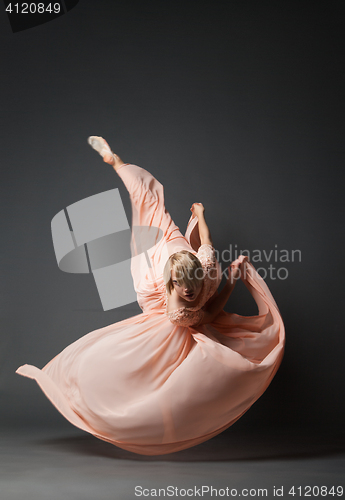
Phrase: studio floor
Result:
[65,463]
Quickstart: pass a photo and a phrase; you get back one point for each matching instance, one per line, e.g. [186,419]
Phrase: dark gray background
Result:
[238,105]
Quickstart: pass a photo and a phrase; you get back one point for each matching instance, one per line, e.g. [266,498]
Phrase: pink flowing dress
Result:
[154,383]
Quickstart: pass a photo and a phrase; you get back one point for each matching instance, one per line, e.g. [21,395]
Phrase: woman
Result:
[183,370]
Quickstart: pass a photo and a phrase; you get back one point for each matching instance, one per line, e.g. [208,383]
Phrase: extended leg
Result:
[147,197]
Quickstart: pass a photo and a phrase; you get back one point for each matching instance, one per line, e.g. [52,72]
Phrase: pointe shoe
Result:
[101,146]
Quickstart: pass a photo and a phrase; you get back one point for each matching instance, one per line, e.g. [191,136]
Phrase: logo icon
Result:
[93,236]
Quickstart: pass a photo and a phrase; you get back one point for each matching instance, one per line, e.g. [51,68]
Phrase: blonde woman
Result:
[189,283]
[184,369]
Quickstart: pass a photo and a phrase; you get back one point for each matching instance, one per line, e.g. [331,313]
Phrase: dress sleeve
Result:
[207,256]
[184,317]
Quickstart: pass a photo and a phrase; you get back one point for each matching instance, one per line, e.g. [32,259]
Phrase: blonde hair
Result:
[188,269]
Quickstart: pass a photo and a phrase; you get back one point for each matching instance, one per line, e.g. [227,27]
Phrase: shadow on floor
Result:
[228,446]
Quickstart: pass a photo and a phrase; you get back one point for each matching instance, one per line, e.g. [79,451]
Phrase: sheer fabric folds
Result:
[151,384]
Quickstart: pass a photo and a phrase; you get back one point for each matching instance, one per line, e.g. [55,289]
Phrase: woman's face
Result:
[187,294]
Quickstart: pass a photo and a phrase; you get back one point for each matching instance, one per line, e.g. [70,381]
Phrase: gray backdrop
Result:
[238,105]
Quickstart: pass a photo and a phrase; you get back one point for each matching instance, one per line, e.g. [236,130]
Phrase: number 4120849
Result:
[33,8]
[316,491]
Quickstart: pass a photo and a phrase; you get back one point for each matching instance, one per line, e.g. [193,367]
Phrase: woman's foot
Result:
[102,147]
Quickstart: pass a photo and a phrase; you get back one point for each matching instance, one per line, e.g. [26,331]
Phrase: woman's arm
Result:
[218,302]
[204,232]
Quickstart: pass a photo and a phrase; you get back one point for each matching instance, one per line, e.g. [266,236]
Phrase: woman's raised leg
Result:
[146,194]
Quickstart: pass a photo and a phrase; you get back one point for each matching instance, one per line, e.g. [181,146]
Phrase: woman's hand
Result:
[234,273]
[218,302]
[204,232]
[197,209]
[235,270]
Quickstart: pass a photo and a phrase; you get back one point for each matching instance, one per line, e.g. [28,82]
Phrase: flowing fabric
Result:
[153,387]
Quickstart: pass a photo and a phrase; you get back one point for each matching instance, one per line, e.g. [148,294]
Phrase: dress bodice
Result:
[188,316]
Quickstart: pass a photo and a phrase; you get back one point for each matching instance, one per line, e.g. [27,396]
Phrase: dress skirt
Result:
[152,387]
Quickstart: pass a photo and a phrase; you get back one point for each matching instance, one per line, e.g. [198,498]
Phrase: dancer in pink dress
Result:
[183,370]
